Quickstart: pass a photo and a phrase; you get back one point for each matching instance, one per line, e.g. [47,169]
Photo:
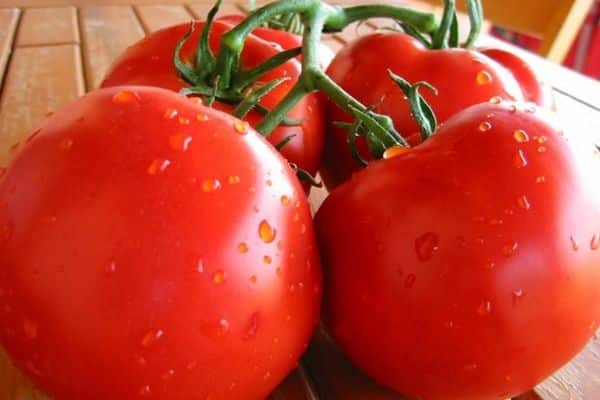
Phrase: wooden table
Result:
[52,51]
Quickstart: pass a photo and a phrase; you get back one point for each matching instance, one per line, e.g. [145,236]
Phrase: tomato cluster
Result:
[155,246]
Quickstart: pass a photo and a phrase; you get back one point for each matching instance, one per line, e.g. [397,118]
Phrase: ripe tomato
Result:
[451,268]
[150,62]
[462,78]
[151,246]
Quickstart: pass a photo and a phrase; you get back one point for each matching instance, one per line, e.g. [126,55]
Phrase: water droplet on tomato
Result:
[223,327]
[302,229]
[485,308]
[542,139]
[509,249]
[269,182]
[242,247]
[200,266]
[151,338]
[201,117]
[540,179]
[394,151]
[158,165]
[520,160]
[170,113]
[66,144]
[266,376]
[267,259]
[241,127]
[285,200]
[595,242]
[124,96]
[233,179]
[168,375]
[426,245]
[210,185]
[484,78]
[541,149]
[266,232]
[252,279]
[485,126]
[180,142]
[524,203]
[512,109]
[30,329]
[145,391]
[219,277]
[296,217]
[112,266]
[521,136]
[517,296]
[410,280]
[252,326]
[496,100]
[574,244]
[183,120]
[489,265]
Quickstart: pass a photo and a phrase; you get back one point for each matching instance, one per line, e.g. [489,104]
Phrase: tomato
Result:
[151,246]
[462,78]
[451,269]
[150,62]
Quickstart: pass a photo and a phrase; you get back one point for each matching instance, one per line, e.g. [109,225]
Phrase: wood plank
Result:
[107,32]
[39,80]
[9,18]
[200,9]
[56,3]
[155,17]
[43,26]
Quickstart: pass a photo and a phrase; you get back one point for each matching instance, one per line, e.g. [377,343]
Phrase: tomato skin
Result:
[150,62]
[462,78]
[451,268]
[131,262]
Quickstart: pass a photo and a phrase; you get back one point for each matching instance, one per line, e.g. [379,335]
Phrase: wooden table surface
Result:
[52,51]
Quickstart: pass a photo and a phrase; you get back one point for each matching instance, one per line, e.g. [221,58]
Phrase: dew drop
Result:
[542,139]
[394,151]
[266,376]
[151,337]
[540,179]
[183,120]
[574,244]
[66,144]
[512,109]
[410,280]
[524,203]
[484,78]
[595,242]
[180,142]
[196,100]
[168,375]
[124,96]
[210,185]
[219,277]
[517,295]
[485,126]
[489,265]
[158,165]
[145,391]
[267,259]
[521,136]
[269,182]
[541,149]
[426,245]
[241,127]
[296,217]
[170,113]
[252,279]
[30,329]
[496,100]
[509,249]
[112,266]
[520,160]
[266,232]
[201,117]
[242,247]
[285,200]
[484,308]
[200,266]
[233,179]
[223,327]
[252,326]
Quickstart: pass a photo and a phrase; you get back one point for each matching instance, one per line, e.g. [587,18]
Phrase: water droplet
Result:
[145,391]
[489,265]
[595,242]
[241,127]
[524,203]
[490,115]
[124,96]
[242,247]
[574,244]
[302,229]
[223,327]
[219,277]
[269,182]
[517,296]
[266,376]
[540,179]
[426,245]
[168,375]
[30,329]
[200,266]
[285,200]
[267,259]
[541,149]
[394,151]
[496,100]
[521,136]
[112,266]
[252,326]
[484,308]
[520,160]
[252,279]
[296,217]
[484,78]
[410,280]
[509,249]
[66,144]
[151,337]
[542,139]
[233,179]
[278,272]
[170,113]
[485,126]
[196,100]
[512,109]
[210,185]
[201,117]
[266,232]
[158,165]
[180,142]
[184,120]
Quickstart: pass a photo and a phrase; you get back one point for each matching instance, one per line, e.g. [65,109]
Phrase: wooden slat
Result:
[155,17]
[39,80]
[43,26]
[8,21]
[107,32]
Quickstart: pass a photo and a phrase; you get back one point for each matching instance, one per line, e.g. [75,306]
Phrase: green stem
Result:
[423,22]
[475,10]
[441,35]
[272,120]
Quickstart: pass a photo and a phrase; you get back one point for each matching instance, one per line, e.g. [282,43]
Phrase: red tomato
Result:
[150,62]
[453,268]
[154,247]
[462,78]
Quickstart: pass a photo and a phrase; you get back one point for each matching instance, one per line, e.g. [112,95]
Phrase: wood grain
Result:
[155,17]
[107,32]
[39,80]
[200,9]
[44,26]
[8,20]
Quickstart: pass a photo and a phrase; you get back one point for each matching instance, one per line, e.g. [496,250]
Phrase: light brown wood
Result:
[8,22]
[107,32]
[200,9]
[56,3]
[155,17]
[44,26]
[39,80]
